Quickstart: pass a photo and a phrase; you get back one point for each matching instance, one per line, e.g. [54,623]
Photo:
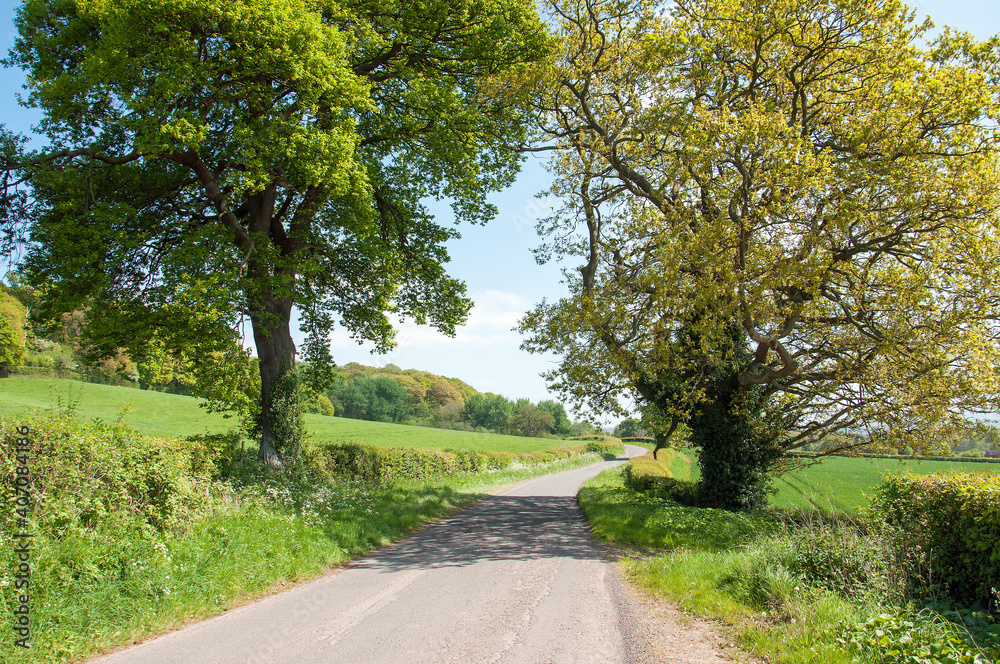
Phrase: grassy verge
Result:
[136,536]
[791,587]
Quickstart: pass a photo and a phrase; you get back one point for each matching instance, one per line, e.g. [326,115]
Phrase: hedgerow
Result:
[374,463]
[954,520]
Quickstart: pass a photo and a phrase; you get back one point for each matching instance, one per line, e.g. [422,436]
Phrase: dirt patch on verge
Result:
[657,632]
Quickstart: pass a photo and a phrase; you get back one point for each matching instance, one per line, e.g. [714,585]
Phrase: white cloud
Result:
[490,323]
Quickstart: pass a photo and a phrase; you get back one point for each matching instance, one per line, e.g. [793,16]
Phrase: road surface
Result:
[513,579]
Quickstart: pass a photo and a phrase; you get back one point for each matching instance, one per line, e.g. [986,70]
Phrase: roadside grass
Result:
[103,582]
[692,557]
[790,585]
[160,414]
[623,517]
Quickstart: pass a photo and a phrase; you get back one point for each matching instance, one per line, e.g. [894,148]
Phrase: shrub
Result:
[925,636]
[652,477]
[861,564]
[100,475]
[385,464]
[326,405]
[954,519]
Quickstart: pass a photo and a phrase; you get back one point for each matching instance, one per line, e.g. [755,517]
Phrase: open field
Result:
[845,484]
[838,484]
[159,414]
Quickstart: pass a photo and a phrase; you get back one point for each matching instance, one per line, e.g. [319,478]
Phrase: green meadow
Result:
[836,484]
[842,484]
[172,415]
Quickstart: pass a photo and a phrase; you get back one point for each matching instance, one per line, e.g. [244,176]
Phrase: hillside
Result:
[160,414]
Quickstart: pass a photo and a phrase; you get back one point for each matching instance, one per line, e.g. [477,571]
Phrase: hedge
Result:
[954,519]
[645,475]
[374,463]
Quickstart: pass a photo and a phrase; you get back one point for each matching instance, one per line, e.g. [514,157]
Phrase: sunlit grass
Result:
[690,556]
[97,587]
[173,415]
[842,484]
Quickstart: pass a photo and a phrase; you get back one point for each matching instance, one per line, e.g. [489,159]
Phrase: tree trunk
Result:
[276,355]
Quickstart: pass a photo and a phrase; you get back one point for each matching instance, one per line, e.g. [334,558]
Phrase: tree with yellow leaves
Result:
[787,213]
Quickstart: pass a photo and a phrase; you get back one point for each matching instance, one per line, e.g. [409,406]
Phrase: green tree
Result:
[489,411]
[374,398]
[560,421]
[627,427]
[789,212]
[213,161]
[12,332]
[530,420]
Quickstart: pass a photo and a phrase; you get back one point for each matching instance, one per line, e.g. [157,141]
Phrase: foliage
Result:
[489,411]
[104,476]
[627,427]
[384,464]
[954,520]
[282,416]
[918,637]
[12,332]
[861,562]
[157,532]
[620,515]
[214,161]
[173,415]
[663,486]
[375,398]
[796,587]
[844,484]
[798,192]
[530,420]
[326,405]
[560,421]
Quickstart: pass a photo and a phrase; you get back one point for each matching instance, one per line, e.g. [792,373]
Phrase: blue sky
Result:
[494,260]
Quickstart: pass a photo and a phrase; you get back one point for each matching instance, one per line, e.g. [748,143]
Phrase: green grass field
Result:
[838,484]
[846,484]
[159,414]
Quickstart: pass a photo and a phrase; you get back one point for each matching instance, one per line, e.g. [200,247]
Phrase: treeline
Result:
[411,396]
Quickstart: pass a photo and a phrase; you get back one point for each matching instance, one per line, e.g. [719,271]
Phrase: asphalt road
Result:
[513,579]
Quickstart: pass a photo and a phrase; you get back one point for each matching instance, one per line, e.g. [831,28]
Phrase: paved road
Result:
[514,579]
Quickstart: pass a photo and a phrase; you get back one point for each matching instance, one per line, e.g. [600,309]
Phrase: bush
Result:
[97,476]
[385,464]
[953,519]
[326,405]
[860,564]
[906,636]
[652,477]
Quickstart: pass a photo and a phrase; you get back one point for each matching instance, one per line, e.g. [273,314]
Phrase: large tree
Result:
[211,162]
[787,215]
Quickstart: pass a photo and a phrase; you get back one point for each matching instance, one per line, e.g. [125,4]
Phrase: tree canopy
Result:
[215,162]
[786,210]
